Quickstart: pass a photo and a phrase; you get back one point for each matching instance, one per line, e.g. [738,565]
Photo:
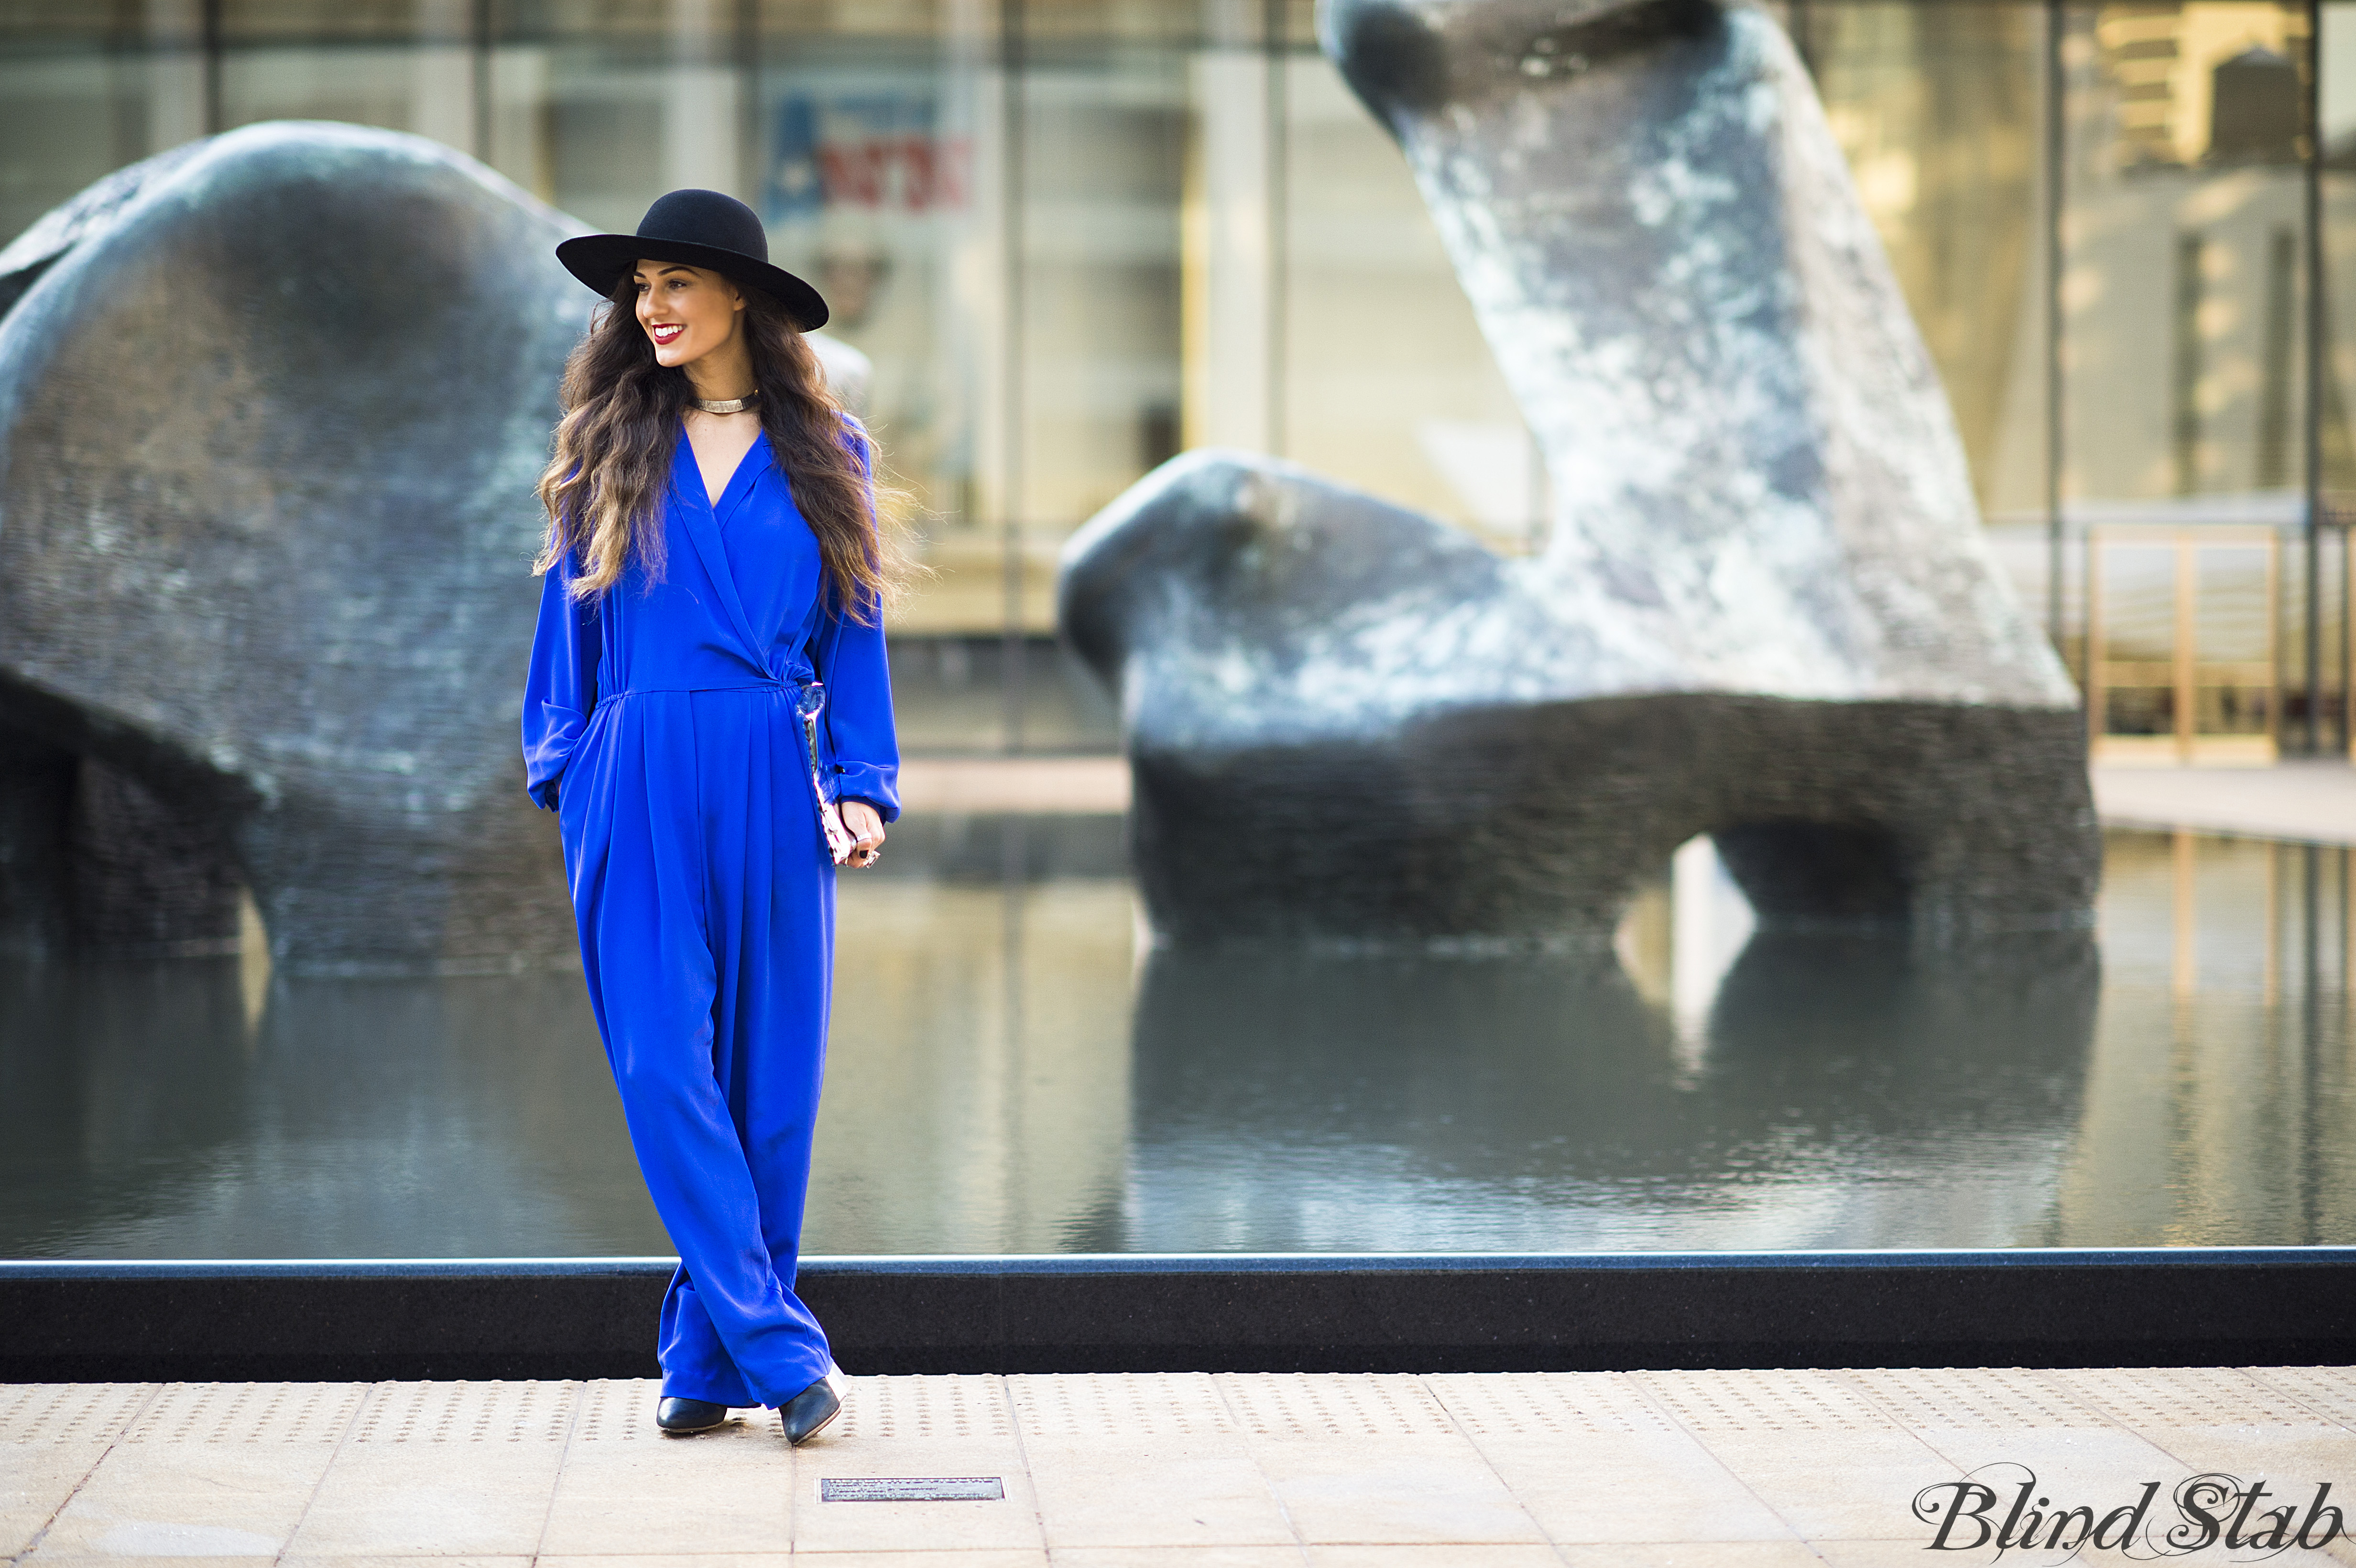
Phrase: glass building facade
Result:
[1076,236]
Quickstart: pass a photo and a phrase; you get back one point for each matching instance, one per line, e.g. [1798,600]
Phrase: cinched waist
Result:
[794,686]
[808,694]
[693,690]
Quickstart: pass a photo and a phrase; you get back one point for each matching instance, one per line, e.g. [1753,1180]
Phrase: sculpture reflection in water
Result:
[1837,1082]
[1013,1080]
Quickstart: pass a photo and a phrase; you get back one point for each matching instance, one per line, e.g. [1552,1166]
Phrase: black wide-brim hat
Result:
[702,228]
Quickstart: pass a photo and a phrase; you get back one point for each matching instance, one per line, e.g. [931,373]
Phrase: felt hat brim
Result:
[602,260]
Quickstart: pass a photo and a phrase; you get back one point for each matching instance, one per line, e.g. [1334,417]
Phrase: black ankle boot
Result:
[807,1411]
[686,1417]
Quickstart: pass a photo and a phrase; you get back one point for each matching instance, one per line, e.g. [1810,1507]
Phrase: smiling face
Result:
[686,312]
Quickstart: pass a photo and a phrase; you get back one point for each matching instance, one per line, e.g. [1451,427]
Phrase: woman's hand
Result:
[866,832]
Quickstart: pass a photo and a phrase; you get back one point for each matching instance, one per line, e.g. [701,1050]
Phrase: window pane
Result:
[1104,143]
[2181,229]
[406,65]
[84,91]
[1937,109]
[2337,58]
[1388,383]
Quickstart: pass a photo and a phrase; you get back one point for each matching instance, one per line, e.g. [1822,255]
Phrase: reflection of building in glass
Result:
[2182,284]
[2184,205]
[1937,108]
[1077,236]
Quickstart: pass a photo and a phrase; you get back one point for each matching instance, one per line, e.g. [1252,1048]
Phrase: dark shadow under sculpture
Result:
[272,409]
[1766,610]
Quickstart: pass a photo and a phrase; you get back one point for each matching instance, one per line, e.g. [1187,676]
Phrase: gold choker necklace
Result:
[728,405]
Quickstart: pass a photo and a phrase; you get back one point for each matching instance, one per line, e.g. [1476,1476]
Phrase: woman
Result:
[708,714]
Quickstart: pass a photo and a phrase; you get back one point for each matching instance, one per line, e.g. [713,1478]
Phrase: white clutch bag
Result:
[809,701]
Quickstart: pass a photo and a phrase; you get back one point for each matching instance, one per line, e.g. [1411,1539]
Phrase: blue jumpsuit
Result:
[661,720]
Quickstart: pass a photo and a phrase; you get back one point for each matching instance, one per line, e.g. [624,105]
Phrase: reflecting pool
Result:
[1013,1070]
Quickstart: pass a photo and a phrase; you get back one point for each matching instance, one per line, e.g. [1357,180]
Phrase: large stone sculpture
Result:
[272,407]
[1765,610]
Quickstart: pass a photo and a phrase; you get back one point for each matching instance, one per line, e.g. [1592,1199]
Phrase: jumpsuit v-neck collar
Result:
[702,524]
[740,482]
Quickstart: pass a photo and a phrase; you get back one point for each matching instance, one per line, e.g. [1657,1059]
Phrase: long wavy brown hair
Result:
[620,432]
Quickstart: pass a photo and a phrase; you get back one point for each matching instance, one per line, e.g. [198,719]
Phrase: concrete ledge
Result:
[594,1317]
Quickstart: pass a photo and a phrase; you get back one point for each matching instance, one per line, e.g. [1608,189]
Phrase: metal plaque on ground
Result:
[909,1489]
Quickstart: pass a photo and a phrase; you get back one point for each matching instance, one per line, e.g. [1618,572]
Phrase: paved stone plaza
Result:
[1733,1469]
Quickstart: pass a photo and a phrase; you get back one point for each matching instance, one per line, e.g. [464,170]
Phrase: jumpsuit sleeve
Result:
[853,662]
[561,686]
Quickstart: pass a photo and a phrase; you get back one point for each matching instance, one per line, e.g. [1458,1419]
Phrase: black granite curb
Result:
[595,1318]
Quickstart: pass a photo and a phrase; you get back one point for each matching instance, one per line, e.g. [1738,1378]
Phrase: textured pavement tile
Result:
[2151,1400]
[441,1469]
[406,1504]
[207,1469]
[919,1407]
[411,1563]
[1371,1458]
[1640,1487]
[1785,1554]
[2328,1391]
[1133,1496]
[2282,1458]
[2006,1426]
[1393,1490]
[627,1489]
[36,1479]
[1154,1459]
[1187,1406]
[1456,1555]
[1829,1486]
[51,1436]
[1829,1460]
[1593,1460]
[147,1560]
[261,1494]
[69,1413]
[1912,1554]
[1299,1407]
[1032,1557]
[129,1523]
[2096,1470]
[253,1417]
[2217,1419]
[1993,1398]
[1178,1557]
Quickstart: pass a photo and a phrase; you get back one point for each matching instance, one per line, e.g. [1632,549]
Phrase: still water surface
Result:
[1013,1071]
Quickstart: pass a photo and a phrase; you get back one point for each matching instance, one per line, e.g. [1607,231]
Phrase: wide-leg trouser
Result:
[706,900]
